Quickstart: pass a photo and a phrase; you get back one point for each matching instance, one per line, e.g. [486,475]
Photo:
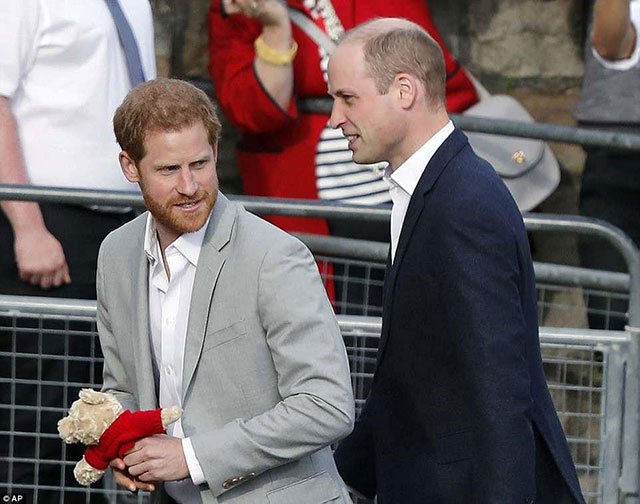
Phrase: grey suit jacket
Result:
[266,384]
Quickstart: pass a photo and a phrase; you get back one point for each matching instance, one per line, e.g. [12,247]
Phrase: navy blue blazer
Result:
[459,410]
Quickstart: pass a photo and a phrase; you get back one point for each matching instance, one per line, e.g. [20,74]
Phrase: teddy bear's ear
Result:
[66,429]
[90,396]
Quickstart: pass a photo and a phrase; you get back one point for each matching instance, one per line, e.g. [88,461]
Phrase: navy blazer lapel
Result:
[210,264]
[449,148]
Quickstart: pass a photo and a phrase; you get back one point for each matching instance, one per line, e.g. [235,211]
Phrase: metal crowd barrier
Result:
[585,369]
[554,281]
[587,137]
[566,295]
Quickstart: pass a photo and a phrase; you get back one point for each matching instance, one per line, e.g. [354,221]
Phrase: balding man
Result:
[459,410]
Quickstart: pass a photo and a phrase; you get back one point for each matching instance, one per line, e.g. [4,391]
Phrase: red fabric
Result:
[122,434]
[276,156]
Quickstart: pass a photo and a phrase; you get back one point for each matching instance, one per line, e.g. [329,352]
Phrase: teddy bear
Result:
[98,420]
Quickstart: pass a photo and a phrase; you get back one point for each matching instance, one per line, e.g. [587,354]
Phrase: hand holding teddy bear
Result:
[98,420]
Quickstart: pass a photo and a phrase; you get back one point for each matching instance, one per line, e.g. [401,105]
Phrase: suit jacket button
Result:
[529,500]
[230,483]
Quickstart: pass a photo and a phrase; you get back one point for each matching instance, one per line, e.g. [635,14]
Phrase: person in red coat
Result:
[262,66]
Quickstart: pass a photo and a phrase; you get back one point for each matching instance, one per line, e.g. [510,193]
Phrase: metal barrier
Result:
[567,293]
[586,372]
[630,477]
[541,131]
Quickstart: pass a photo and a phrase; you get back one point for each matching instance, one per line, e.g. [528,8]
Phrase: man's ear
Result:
[406,89]
[215,153]
[129,167]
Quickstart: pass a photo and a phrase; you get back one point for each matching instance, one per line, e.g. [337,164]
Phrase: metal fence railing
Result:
[586,373]
[566,295]
[587,137]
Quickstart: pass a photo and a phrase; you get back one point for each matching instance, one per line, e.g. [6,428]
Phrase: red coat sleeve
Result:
[240,93]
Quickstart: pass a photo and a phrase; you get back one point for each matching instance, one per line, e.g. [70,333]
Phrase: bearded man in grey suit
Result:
[205,306]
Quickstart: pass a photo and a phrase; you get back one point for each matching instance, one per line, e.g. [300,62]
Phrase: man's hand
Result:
[157,458]
[125,480]
[40,259]
[266,12]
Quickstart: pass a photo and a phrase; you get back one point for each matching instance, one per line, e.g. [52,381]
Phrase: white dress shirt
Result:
[403,181]
[64,71]
[169,302]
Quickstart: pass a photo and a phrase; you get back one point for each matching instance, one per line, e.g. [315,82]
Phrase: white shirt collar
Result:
[408,174]
[187,244]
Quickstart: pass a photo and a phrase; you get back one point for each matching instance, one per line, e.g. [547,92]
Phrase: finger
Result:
[147,476]
[137,470]
[66,276]
[46,281]
[34,279]
[147,487]
[58,278]
[125,481]
[231,7]
[117,463]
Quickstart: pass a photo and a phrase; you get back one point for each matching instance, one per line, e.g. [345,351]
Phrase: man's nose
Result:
[188,185]
[337,117]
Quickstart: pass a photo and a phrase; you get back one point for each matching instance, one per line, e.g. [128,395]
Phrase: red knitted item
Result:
[121,435]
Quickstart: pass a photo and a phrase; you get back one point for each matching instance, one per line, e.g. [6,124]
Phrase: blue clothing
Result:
[459,410]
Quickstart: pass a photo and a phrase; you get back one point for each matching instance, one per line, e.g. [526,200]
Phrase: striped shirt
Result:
[340,179]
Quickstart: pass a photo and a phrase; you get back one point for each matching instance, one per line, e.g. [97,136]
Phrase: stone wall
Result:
[508,43]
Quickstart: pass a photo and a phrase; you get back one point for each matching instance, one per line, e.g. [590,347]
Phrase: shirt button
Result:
[168,370]
[168,321]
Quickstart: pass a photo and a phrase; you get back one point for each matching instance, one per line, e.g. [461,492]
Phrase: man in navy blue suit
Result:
[459,410]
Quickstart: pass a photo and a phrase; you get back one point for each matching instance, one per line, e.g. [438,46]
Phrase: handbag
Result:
[527,166]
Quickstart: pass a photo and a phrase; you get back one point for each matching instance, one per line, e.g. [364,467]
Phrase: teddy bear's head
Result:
[89,417]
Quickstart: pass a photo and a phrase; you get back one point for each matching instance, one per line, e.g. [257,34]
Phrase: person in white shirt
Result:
[62,75]
[610,182]
[63,72]
[459,410]
[205,306]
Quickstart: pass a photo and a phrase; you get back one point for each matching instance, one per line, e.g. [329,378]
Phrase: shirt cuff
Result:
[633,60]
[195,471]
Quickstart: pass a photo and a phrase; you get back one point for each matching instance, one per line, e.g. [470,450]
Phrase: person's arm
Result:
[114,378]
[317,406]
[39,255]
[256,96]
[614,35]
[355,458]
[277,80]
[488,334]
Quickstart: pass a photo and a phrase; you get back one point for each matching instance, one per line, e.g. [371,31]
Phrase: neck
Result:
[421,131]
[165,237]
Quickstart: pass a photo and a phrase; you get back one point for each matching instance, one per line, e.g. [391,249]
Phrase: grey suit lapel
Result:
[210,264]
[143,359]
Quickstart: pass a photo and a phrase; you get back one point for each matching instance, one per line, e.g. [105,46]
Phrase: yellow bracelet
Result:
[275,56]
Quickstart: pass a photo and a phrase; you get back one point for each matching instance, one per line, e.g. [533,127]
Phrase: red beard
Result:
[172,218]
